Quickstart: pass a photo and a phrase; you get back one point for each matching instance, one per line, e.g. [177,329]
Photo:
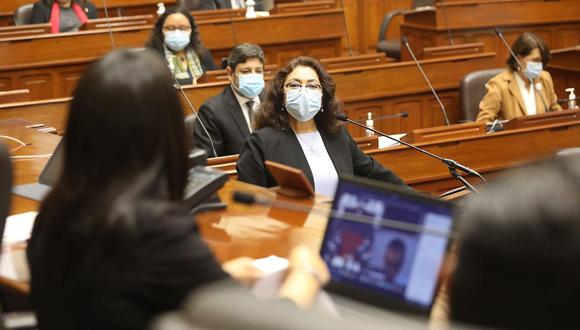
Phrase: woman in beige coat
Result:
[521,91]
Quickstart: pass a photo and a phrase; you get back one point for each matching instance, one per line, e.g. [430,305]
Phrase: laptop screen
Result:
[386,242]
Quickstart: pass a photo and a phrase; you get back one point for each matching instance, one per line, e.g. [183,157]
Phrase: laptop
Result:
[385,246]
[48,178]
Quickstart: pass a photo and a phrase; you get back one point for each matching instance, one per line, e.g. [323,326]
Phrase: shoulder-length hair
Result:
[124,143]
[524,45]
[156,39]
[273,110]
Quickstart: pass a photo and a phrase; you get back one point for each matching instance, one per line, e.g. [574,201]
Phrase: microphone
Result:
[108,23]
[348,45]
[403,114]
[521,67]
[177,85]
[444,9]
[450,163]
[251,199]
[405,42]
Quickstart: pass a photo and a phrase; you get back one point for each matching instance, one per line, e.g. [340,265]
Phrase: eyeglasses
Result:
[292,86]
[175,28]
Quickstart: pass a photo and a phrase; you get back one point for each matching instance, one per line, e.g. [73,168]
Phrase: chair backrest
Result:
[198,4]
[423,3]
[472,90]
[23,15]
[189,122]
[5,187]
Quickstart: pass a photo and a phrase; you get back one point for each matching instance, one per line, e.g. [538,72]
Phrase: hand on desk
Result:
[305,275]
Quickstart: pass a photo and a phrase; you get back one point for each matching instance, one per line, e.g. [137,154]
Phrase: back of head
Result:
[124,142]
[519,251]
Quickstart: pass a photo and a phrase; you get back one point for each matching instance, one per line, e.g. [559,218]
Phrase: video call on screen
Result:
[398,263]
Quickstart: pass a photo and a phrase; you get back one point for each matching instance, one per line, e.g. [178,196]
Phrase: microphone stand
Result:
[452,165]
[405,42]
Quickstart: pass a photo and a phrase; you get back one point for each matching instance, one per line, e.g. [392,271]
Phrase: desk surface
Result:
[241,230]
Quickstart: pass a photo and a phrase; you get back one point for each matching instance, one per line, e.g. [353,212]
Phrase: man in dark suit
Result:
[228,117]
[261,5]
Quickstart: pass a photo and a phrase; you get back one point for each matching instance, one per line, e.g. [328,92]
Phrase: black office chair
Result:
[23,15]
[198,4]
[472,90]
[392,47]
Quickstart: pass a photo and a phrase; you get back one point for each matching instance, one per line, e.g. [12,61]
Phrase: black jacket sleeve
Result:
[40,13]
[250,166]
[366,166]
[92,14]
[200,137]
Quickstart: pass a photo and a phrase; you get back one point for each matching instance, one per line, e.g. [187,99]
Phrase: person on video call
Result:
[521,91]
[297,126]
[63,15]
[229,116]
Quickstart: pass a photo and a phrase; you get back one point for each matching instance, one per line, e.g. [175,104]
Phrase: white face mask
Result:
[177,40]
[303,104]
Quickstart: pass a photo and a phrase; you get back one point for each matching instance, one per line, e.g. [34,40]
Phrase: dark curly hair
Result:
[273,111]
[156,39]
[524,45]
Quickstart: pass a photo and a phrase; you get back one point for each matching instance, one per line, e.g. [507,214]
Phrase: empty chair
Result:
[472,90]
[392,47]
[23,15]
[198,4]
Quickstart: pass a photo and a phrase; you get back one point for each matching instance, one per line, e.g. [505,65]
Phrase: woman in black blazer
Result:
[63,15]
[296,126]
[176,38]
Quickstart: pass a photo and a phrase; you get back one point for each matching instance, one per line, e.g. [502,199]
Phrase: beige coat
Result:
[504,100]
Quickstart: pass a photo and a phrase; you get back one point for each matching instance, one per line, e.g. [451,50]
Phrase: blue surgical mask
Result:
[251,84]
[177,40]
[533,69]
[303,104]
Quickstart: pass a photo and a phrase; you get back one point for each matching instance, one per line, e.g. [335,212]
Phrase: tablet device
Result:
[385,246]
[292,181]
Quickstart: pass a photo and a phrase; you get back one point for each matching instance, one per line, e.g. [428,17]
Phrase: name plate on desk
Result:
[555,117]
[450,132]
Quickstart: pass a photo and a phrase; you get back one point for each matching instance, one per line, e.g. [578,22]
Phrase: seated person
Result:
[63,15]
[521,91]
[176,38]
[229,116]
[296,126]
[261,5]
[112,246]
[519,251]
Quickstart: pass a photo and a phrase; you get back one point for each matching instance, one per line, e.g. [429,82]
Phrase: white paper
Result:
[18,228]
[386,142]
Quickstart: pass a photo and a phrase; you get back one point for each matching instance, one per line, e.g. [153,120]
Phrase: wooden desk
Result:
[116,8]
[365,88]
[255,231]
[389,89]
[557,22]
[565,70]
[50,65]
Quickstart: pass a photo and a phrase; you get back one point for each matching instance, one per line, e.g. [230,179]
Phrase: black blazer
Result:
[283,147]
[41,11]
[228,4]
[119,280]
[225,122]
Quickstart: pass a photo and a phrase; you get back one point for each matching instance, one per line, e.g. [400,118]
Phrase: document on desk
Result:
[386,142]
[13,263]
